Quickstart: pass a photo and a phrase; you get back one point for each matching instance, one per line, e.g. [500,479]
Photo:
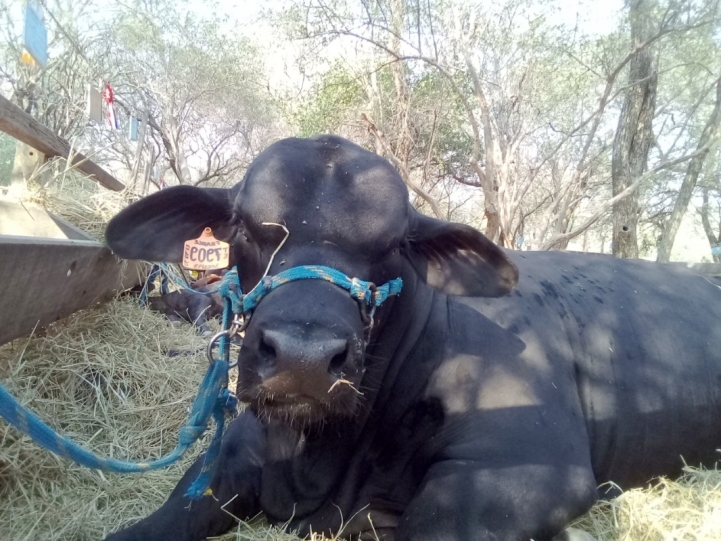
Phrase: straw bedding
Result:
[76,198]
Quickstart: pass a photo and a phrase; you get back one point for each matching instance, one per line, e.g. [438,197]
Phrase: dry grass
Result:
[102,377]
[72,196]
[687,509]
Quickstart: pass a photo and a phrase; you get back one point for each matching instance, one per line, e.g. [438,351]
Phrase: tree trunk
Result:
[376,109]
[634,132]
[689,181]
[403,141]
[487,175]
[714,240]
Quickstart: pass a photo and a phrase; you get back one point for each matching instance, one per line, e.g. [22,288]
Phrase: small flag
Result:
[133,129]
[109,99]
[95,105]
[35,35]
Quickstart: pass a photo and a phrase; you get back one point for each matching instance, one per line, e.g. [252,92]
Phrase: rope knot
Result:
[267,282]
[360,289]
[231,290]
[189,434]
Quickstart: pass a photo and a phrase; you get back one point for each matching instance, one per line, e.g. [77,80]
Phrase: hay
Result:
[101,376]
[687,509]
[71,195]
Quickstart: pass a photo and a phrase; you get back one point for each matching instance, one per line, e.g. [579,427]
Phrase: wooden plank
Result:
[44,280]
[23,127]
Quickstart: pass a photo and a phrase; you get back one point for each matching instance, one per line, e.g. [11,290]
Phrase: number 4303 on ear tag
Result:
[206,252]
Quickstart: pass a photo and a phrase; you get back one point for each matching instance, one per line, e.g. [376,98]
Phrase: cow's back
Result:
[641,341]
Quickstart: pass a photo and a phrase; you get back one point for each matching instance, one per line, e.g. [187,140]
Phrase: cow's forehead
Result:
[337,192]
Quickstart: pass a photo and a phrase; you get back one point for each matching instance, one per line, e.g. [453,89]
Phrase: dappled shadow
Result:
[642,344]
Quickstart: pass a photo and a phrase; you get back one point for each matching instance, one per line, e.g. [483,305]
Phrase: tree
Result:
[202,93]
[707,210]
[535,99]
[634,133]
[55,95]
[707,138]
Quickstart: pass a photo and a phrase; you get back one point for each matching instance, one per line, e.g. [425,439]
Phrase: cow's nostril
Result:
[266,349]
[337,362]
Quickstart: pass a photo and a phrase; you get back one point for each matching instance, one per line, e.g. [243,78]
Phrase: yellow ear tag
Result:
[206,252]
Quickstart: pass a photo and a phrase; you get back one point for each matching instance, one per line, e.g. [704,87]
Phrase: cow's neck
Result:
[320,471]
[406,324]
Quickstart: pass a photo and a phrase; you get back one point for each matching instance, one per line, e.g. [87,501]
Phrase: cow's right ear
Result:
[156,227]
[456,259]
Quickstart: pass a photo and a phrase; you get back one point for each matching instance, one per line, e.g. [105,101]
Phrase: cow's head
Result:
[303,355]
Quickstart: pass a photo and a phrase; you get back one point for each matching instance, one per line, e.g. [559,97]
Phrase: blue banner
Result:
[35,35]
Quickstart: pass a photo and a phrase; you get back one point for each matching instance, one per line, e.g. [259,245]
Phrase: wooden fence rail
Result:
[23,127]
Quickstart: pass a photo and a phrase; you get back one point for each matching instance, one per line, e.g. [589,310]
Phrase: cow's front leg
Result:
[235,489]
[463,500]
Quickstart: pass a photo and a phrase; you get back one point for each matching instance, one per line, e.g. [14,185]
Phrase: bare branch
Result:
[401,167]
[556,239]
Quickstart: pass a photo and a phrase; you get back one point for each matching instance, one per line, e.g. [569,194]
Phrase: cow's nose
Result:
[304,355]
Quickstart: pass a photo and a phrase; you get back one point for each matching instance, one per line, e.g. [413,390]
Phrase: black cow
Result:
[195,307]
[468,414]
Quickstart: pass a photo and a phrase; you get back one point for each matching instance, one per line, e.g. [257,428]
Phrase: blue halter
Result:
[366,293]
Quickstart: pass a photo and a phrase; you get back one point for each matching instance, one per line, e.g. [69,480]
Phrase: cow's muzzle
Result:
[302,356]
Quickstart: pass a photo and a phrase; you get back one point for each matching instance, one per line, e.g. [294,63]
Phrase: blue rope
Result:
[200,486]
[213,400]
[206,404]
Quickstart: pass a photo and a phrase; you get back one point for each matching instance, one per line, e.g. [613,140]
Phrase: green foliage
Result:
[329,102]
[7,158]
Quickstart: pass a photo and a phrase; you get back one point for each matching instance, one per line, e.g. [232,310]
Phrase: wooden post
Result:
[47,279]
[27,161]
[139,149]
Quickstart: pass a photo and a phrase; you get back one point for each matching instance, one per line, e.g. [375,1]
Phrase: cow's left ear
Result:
[156,227]
[456,259]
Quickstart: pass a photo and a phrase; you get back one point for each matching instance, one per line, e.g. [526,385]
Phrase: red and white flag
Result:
[109,99]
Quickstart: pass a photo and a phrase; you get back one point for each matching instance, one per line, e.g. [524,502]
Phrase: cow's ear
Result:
[156,227]
[457,259]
